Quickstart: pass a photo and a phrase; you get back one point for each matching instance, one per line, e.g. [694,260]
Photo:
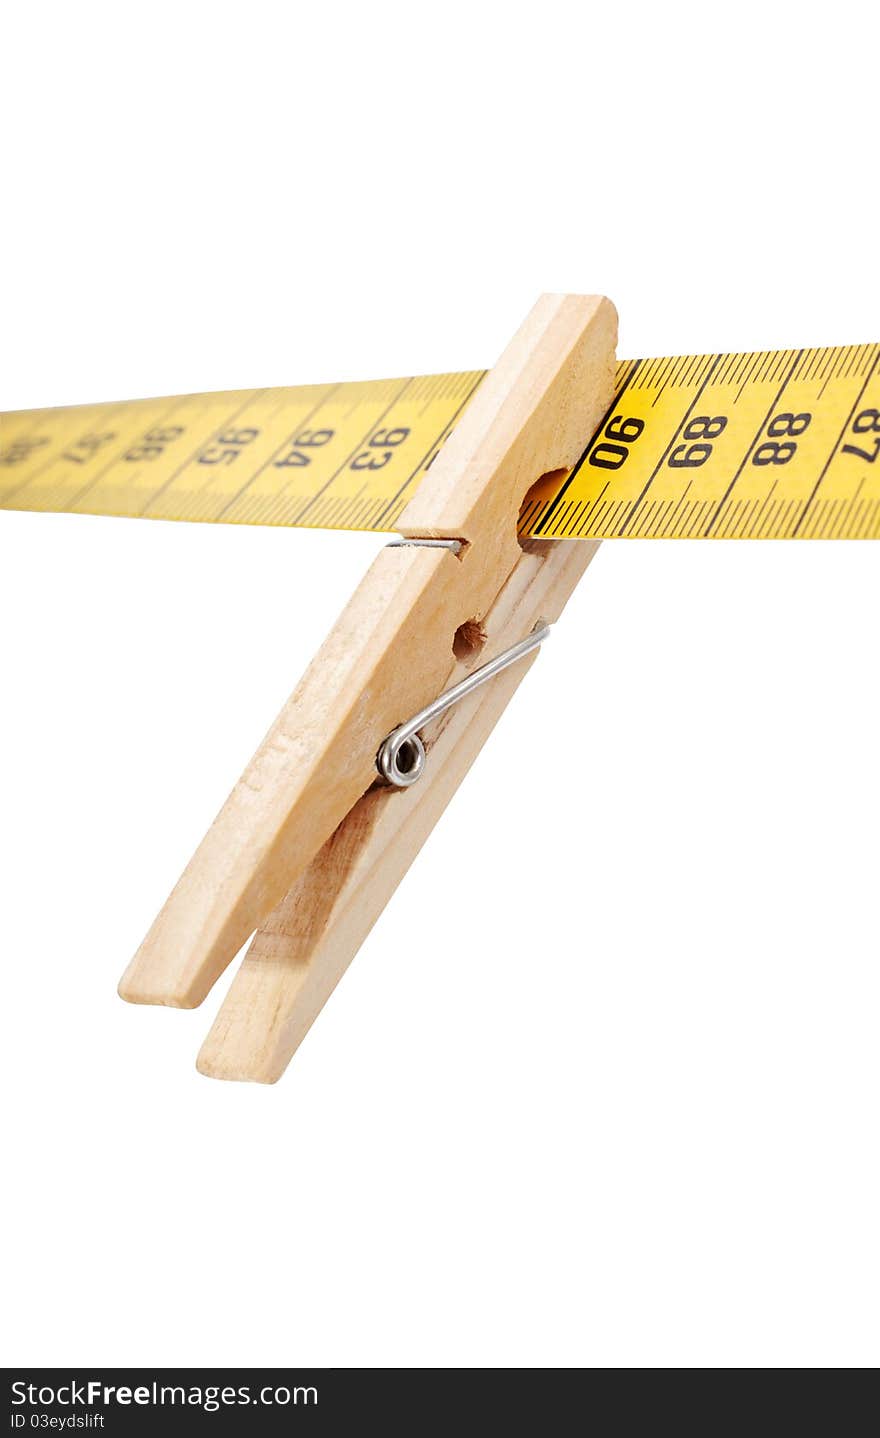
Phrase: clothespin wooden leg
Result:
[390,655]
[303,948]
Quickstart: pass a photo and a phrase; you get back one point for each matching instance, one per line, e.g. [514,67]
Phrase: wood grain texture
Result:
[390,653]
[304,947]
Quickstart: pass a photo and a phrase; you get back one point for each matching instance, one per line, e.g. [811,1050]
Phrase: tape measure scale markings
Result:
[782,444]
[777,444]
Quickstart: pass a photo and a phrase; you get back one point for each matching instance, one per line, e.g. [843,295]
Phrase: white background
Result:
[602,1087]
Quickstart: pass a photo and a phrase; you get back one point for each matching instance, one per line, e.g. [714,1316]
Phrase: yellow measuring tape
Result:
[778,445]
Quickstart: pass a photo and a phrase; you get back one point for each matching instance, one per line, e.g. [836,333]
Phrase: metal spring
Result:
[401,757]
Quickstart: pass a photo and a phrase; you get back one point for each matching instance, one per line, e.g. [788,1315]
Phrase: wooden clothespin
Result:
[312,842]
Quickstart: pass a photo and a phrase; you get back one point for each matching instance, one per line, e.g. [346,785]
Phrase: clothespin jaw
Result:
[310,846]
